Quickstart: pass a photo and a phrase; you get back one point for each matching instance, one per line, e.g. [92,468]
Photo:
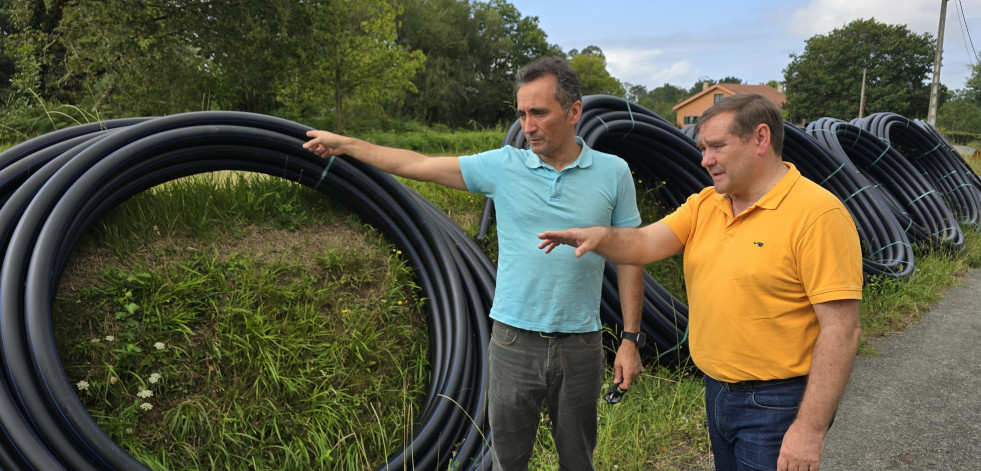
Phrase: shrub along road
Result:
[916,406]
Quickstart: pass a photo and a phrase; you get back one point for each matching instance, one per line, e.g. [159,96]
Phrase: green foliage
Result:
[438,143]
[358,59]
[590,64]
[660,100]
[473,51]
[960,117]
[826,79]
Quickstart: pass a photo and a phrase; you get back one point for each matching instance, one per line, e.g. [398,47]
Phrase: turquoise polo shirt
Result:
[554,292]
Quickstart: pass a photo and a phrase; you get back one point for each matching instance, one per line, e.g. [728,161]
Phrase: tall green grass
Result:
[243,324]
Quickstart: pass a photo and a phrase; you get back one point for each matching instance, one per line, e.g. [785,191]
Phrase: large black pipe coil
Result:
[942,166]
[663,161]
[931,221]
[53,187]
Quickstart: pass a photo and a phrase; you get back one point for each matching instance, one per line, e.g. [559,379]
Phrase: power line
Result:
[966,33]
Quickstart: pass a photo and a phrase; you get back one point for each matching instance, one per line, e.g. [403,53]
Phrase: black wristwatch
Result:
[636,337]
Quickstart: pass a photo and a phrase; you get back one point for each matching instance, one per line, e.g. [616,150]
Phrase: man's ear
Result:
[761,135]
[575,112]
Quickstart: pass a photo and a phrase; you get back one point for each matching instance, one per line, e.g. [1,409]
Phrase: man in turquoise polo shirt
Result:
[547,337]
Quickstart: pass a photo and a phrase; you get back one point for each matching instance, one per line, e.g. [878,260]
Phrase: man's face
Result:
[546,126]
[730,161]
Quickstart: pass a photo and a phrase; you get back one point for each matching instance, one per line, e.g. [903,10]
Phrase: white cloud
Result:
[822,16]
[644,66]
[675,73]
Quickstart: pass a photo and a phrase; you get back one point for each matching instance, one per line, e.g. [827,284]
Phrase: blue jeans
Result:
[527,369]
[746,428]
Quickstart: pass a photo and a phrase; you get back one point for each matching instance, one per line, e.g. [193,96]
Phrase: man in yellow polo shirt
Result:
[773,270]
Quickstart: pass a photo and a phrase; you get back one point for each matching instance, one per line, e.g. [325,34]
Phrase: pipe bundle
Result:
[53,187]
[934,158]
[919,206]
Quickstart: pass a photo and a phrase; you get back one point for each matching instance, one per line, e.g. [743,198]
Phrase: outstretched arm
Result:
[401,162]
[637,246]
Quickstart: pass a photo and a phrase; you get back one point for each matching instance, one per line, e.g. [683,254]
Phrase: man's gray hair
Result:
[568,88]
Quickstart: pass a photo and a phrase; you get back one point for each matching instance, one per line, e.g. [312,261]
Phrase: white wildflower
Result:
[155,377]
[110,338]
[82,385]
[146,406]
[145,393]
[159,345]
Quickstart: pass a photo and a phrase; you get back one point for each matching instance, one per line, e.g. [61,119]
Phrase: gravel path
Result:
[917,405]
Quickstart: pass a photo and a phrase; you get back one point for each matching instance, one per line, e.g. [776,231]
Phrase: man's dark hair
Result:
[750,110]
[568,89]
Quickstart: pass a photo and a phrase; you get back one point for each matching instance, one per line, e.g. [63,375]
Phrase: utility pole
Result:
[935,86]
[861,100]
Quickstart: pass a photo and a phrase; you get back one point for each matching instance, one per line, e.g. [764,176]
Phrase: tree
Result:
[348,58]
[505,42]
[660,100]
[590,64]
[826,79]
[960,114]
[700,85]
[473,52]
[444,31]
[972,88]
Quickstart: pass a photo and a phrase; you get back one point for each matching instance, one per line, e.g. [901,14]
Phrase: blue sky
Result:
[653,42]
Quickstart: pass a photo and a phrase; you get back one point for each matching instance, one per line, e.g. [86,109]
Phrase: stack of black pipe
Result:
[934,158]
[663,161]
[885,245]
[53,187]
[921,208]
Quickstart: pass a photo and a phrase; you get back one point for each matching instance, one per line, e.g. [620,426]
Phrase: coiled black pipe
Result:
[665,162]
[931,221]
[55,186]
[943,167]
[886,247]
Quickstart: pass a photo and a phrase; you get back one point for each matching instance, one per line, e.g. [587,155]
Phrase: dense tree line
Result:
[826,79]
[381,63]
[450,62]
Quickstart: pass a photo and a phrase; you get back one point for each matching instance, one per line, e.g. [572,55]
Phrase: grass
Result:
[273,330]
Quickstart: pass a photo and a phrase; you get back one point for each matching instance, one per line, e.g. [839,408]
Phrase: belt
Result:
[544,335]
[753,385]
[551,335]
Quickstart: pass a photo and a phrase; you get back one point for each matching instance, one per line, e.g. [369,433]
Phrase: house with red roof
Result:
[689,110]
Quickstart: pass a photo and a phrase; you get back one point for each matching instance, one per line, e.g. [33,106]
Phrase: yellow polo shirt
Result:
[752,279]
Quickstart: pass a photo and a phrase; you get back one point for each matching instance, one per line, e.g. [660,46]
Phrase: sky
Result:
[653,42]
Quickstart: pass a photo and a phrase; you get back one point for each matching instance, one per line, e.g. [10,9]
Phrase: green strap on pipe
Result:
[920,197]
[832,174]
[324,174]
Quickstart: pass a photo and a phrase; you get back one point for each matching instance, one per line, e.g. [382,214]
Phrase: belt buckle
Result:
[549,335]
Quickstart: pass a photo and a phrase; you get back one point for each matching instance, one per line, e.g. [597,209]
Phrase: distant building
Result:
[689,110]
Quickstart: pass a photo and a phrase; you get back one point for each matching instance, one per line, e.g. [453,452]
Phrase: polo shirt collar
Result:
[584,160]
[776,194]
